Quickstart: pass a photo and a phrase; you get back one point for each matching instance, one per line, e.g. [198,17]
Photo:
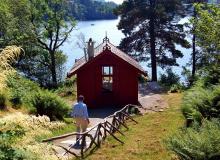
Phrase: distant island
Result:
[91,9]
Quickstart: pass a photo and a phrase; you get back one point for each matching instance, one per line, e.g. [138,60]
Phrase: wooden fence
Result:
[109,126]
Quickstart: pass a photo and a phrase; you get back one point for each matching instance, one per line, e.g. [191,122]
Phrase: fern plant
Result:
[198,142]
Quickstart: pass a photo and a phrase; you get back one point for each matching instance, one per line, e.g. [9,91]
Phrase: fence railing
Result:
[109,126]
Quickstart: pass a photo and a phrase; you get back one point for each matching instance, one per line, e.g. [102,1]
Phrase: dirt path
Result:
[150,99]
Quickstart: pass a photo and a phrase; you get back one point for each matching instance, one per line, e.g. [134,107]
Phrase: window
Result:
[107,78]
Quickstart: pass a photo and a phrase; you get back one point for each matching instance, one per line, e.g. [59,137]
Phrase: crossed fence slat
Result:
[103,129]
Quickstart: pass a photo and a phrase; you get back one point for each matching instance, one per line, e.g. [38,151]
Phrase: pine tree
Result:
[152,31]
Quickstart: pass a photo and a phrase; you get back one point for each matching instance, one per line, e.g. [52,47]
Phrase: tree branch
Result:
[65,38]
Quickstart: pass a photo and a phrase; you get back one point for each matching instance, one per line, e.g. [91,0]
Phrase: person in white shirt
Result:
[80,114]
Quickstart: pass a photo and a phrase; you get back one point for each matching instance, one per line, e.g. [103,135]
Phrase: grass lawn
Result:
[145,140]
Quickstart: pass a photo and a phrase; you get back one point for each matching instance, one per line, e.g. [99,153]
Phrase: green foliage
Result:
[151,31]
[92,10]
[187,75]
[7,152]
[176,88]
[169,78]
[37,101]
[19,87]
[47,103]
[67,88]
[18,133]
[210,75]
[41,28]
[199,103]
[2,101]
[8,136]
[15,99]
[198,143]
[142,79]
[207,28]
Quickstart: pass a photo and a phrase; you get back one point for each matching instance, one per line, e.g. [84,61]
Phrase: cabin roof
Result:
[98,50]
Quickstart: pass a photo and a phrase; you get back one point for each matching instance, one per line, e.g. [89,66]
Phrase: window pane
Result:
[107,70]
[111,70]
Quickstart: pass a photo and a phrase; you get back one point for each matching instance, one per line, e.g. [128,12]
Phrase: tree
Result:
[207,31]
[151,27]
[14,23]
[194,50]
[40,27]
[51,26]
[207,28]
[91,10]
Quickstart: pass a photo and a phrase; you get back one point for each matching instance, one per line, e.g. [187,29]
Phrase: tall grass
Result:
[7,57]
[18,134]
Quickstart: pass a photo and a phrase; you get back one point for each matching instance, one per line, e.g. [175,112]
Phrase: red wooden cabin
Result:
[107,76]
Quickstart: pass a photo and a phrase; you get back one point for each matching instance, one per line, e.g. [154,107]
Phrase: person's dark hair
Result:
[80,98]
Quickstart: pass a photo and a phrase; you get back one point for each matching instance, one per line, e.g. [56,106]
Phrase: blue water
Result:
[97,31]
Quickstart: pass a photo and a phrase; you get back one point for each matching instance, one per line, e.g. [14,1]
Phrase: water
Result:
[97,31]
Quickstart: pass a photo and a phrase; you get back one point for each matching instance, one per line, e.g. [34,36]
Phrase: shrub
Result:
[142,79]
[203,102]
[67,88]
[176,88]
[7,138]
[198,143]
[2,101]
[7,152]
[18,133]
[211,75]
[16,99]
[169,78]
[19,87]
[47,103]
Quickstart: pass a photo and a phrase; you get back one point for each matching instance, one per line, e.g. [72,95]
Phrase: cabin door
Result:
[106,86]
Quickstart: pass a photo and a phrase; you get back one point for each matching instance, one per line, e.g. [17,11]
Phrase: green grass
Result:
[145,140]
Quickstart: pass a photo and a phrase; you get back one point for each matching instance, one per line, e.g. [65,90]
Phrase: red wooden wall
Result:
[125,82]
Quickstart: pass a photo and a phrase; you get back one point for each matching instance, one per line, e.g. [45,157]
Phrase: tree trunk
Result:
[53,68]
[152,43]
[193,56]
[194,50]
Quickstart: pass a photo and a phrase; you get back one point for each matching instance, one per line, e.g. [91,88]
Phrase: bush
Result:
[67,88]
[211,75]
[19,87]
[47,103]
[197,143]
[2,101]
[16,99]
[142,79]
[176,88]
[7,138]
[203,102]
[169,78]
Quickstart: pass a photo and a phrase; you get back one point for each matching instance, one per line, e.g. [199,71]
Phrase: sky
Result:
[116,1]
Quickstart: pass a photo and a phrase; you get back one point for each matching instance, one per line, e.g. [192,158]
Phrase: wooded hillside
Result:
[91,10]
